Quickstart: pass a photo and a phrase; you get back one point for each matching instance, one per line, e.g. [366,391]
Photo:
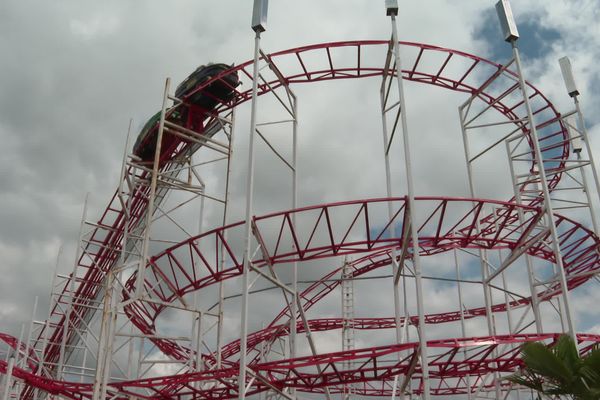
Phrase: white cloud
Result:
[78,73]
[94,27]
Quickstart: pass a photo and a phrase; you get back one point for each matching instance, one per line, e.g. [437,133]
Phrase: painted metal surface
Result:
[450,224]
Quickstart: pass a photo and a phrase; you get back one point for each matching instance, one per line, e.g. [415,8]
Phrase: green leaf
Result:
[531,382]
[541,360]
[592,360]
[566,350]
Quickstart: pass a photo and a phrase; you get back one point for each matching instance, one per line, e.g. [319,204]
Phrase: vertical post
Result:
[546,191]
[348,320]
[573,91]
[199,338]
[123,256]
[104,358]
[584,133]
[8,378]
[109,312]
[222,260]
[388,183]
[586,189]
[259,17]
[484,267]
[65,327]
[29,331]
[411,207]
[293,306]
[9,370]
[42,367]
[504,286]
[463,329]
[84,361]
[535,303]
[17,351]
[392,8]
[511,35]
[152,195]
[51,306]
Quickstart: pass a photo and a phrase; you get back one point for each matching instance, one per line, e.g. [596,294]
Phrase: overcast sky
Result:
[73,73]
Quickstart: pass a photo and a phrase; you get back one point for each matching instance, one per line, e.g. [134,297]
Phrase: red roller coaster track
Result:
[353,227]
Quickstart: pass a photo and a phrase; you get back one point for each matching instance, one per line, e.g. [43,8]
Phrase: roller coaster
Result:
[116,275]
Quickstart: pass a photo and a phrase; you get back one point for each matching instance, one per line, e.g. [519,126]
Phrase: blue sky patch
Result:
[535,39]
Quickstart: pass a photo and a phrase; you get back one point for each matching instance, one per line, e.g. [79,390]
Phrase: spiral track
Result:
[450,224]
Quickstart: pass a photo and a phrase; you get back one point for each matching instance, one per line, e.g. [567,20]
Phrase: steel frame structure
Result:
[126,277]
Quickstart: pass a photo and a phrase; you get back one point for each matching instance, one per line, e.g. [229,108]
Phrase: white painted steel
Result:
[413,226]
[248,227]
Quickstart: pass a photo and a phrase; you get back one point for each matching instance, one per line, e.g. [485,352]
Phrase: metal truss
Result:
[103,337]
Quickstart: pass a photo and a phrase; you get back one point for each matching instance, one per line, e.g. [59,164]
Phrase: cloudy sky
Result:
[74,72]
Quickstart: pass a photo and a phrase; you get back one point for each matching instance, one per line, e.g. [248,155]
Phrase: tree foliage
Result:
[559,371]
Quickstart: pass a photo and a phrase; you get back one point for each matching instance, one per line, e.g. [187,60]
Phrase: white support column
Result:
[29,331]
[248,219]
[397,267]
[73,279]
[347,319]
[224,222]
[8,378]
[104,356]
[152,195]
[463,328]
[51,304]
[547,201]
[573,91]
[411,207]
[583,129]
[293,306]
[535,303]
[396,270]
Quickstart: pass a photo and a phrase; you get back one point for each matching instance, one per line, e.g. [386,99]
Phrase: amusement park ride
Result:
[144,317]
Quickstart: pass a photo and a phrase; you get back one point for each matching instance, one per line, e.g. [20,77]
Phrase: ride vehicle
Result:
[196,105]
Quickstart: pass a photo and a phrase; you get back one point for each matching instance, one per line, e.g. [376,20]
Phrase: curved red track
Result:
[451,224]
[373,374]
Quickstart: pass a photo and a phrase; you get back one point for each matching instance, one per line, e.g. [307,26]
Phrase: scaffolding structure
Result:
[133,319]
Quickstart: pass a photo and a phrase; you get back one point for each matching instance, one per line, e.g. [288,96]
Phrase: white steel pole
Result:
[152,195]
[8,378]
[103,359]
[392,228]
[51,302]
[413,225]
[19,344]
[248,233]
[546,191]
[224,222]
[293,306]
[23,361]
[112,326]
[109,313]
[584,133]
[28,343]
[535,303]
[586,189]
[463,328]
[61,358]
[110,310]
[573,91]
[484,267]
[123,256]
[198,344]
[84,361]
[396,270]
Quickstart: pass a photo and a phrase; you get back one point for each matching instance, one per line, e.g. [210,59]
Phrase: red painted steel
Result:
[185,267]
[373,372]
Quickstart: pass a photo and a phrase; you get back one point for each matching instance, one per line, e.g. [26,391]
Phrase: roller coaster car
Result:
[219,91]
